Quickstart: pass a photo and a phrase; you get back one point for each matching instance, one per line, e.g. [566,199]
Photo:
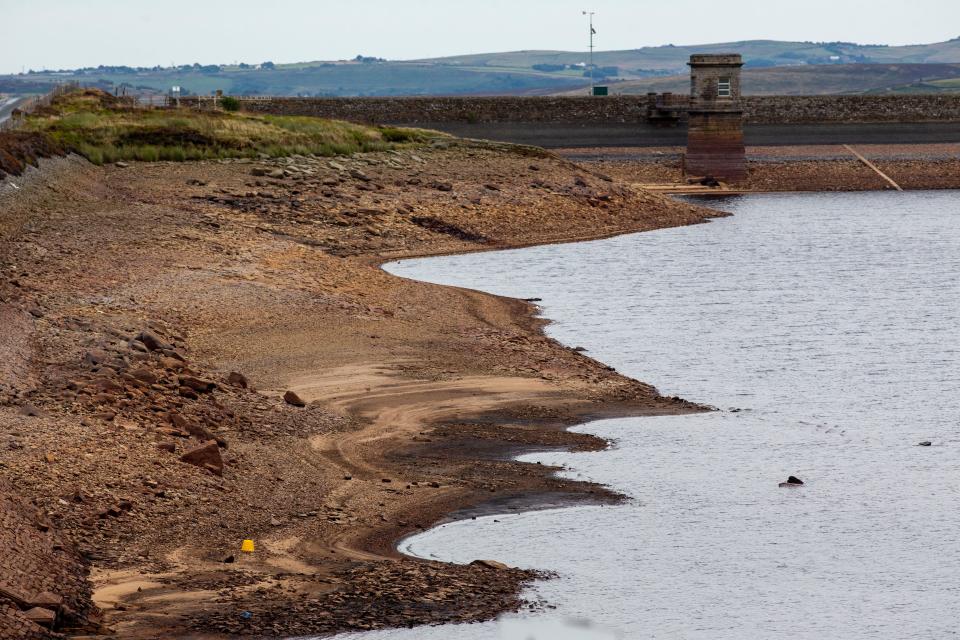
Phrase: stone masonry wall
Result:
[608,110]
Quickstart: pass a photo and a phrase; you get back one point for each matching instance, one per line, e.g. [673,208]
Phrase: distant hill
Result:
[771,66]
[671,59]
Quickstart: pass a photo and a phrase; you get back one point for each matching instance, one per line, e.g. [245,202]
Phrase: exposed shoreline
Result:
[234,281]
[416,392]
[794,168]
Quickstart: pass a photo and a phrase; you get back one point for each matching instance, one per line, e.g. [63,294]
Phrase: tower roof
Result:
[716,60]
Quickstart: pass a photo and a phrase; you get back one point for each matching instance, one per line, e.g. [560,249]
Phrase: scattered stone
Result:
[122,165]
[47,600]
[43,617]
[144,375]
[292,398]
[199,385]
[170,447]
[188,393]
[95,357]
[490,564]
[189,427]
[237,379]
[925,443]
[206,456]
[151,341]
[30,410]
[229,559]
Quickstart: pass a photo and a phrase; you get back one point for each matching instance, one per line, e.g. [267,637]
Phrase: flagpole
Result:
[593,81]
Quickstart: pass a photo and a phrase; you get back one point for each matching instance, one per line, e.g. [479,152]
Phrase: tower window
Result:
[723,88]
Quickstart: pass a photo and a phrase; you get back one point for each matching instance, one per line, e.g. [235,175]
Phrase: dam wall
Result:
[611,109]
[651,120]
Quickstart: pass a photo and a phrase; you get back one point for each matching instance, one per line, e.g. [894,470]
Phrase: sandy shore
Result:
[157,314]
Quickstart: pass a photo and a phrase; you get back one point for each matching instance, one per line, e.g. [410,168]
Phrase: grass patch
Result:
[103,129]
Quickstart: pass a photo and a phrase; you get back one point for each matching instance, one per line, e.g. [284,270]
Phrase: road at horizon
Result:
[7,105]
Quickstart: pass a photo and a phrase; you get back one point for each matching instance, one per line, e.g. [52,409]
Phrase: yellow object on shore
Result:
[247,546]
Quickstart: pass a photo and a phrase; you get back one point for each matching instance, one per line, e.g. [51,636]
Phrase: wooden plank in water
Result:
[872,166]
[689,189]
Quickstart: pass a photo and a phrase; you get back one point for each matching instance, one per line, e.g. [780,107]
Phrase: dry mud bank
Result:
[154,317]
[794,168]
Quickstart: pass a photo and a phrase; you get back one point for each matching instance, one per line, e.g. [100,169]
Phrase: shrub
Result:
[229,103]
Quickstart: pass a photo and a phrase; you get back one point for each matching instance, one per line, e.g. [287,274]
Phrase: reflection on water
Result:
[829,322]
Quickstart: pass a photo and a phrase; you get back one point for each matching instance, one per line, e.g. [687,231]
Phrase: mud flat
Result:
[157,314]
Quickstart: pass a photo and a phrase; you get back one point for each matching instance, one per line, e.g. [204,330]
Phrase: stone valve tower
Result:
[715,129]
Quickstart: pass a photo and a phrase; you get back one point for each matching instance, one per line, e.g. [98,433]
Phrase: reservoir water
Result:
[825,327]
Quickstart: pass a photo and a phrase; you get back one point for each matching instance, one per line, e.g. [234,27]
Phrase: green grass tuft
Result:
[102,130]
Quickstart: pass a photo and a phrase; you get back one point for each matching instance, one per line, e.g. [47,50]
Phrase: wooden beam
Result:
[872,166]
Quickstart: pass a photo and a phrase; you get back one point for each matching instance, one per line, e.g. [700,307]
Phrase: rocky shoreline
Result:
[158,314]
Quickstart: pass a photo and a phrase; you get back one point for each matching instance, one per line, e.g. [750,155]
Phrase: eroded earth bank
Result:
[154,317]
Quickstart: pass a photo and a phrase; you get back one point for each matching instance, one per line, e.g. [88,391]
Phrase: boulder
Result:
[237,379]
[925,443]
[792,481]
[206,456]
[151,341]
[169,447]
[292,398]
[144,375]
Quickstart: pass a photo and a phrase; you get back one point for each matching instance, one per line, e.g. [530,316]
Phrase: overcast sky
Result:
[77,33]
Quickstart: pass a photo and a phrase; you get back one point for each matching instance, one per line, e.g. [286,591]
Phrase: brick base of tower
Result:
[715,145]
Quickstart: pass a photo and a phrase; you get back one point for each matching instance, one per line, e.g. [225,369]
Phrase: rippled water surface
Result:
[831,322]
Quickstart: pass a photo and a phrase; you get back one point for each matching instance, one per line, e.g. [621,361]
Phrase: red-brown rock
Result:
[237,379]
[292,398]
[206,456]
[200,385]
